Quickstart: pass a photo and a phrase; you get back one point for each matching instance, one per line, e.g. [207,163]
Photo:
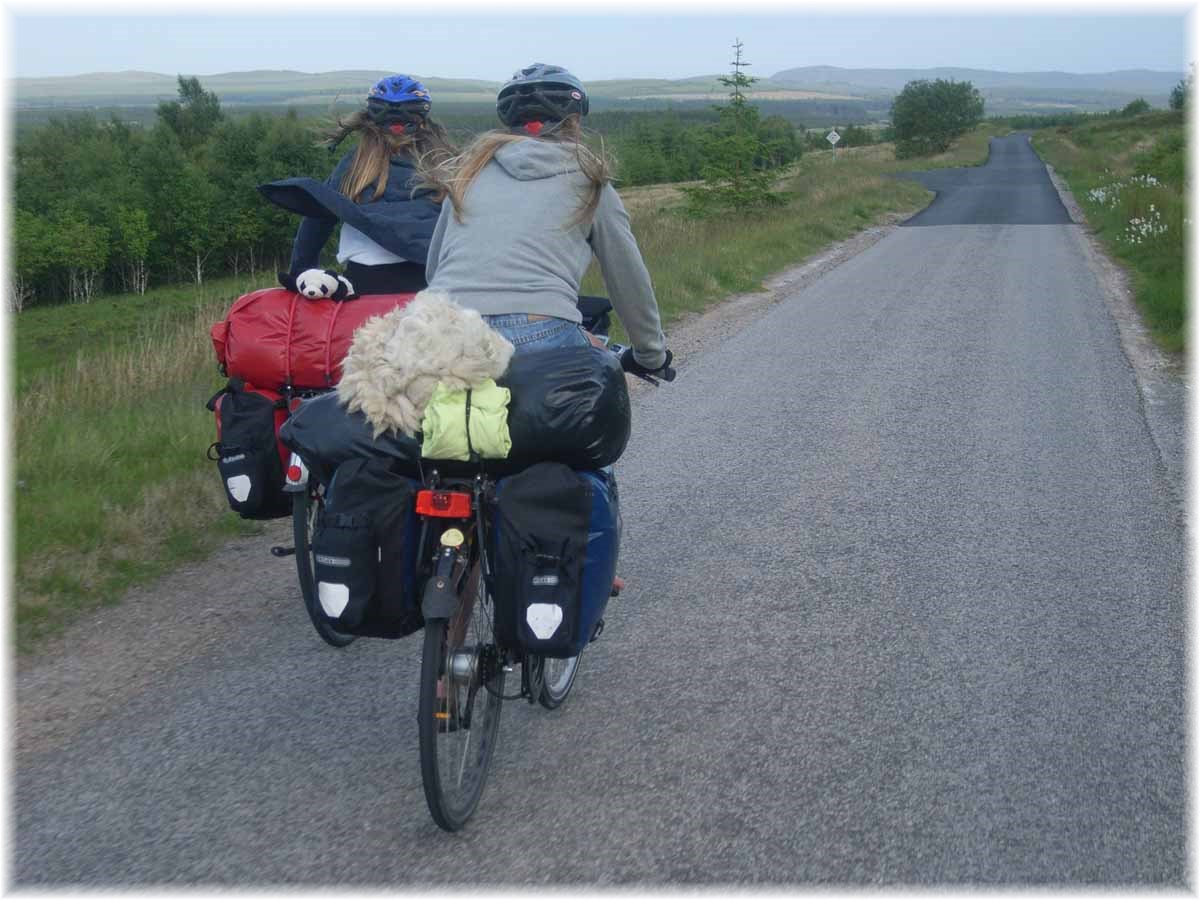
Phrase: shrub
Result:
[1134,108]
[1181,92]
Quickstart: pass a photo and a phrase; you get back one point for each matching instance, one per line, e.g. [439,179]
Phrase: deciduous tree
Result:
[928,115]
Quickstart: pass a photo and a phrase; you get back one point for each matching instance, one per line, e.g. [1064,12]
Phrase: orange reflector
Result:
[441,715]
[444,504]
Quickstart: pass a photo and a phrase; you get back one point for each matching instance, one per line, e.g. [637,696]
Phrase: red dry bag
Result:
[277,338]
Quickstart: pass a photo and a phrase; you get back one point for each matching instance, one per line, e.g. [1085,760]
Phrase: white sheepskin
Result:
[396,360]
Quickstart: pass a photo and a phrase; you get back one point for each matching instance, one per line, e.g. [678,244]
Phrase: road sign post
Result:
[833,137]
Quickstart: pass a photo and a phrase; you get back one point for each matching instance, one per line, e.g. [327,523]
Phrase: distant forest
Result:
[117,204]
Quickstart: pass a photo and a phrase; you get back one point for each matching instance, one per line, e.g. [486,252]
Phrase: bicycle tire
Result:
[304,512]
[553,690]
[443,724]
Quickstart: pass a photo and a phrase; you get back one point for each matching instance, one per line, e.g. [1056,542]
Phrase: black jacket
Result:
[398,221]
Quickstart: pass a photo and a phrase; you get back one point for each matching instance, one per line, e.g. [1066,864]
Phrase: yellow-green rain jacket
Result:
[444,427]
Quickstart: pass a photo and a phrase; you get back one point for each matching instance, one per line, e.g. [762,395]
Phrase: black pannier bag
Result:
[569,405]
[365,551]
[247,452]
[327,435]
[555,539]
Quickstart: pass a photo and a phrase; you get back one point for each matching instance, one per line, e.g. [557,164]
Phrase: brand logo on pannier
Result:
[545,580]
[339,561]
[231,459]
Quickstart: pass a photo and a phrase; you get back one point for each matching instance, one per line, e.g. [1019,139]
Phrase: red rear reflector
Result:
[444,504]
[294,473]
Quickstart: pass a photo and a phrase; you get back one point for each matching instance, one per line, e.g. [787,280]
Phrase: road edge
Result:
[1162,381]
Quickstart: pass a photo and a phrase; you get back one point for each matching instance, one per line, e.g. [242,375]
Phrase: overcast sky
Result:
[666,44]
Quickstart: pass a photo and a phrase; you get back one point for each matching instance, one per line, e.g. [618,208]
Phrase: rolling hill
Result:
[866,89]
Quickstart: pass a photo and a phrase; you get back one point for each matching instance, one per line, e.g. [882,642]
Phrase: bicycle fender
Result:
[439,599]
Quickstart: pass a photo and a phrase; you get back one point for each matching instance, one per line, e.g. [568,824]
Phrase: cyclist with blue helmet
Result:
[386,225]
[528,207]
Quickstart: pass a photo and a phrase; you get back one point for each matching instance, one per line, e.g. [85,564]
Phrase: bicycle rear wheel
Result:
[462,680]
[306,507]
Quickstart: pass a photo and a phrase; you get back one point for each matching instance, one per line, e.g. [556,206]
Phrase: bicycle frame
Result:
[449,565]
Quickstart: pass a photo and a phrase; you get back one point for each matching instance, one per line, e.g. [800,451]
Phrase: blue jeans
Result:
[540,334]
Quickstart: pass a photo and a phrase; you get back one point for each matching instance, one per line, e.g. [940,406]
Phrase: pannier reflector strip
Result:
[444,504]
[334,598]
[239,487]
[544,619]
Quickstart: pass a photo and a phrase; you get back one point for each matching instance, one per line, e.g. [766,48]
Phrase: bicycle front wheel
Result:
[462,682]
[555,678]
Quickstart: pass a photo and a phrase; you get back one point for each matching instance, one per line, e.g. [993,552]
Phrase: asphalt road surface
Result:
[905,607]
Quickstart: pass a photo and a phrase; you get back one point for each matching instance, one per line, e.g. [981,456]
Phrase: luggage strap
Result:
[471,454]
[337,308]
[287,349]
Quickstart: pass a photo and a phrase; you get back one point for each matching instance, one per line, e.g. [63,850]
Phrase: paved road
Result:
[1012,189]
[906,606]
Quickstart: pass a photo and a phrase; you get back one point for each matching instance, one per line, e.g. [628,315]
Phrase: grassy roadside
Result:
[1128,177]
[112,484]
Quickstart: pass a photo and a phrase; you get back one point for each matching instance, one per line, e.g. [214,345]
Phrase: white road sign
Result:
[833,137]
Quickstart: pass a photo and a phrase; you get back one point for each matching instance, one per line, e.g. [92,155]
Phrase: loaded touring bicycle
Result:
[505,566]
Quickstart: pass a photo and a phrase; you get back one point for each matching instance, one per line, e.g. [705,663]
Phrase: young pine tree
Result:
[734,172]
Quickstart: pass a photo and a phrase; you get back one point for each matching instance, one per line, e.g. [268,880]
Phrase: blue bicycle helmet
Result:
[541,93]
[398,99]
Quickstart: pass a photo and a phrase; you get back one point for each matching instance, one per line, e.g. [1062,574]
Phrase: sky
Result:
[667,43]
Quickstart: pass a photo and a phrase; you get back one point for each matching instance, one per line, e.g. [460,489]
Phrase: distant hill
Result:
[286,87]
[1129,81]
[813,91]
[257,87]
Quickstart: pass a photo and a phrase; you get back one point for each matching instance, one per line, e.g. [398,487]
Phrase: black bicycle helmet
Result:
[541,93]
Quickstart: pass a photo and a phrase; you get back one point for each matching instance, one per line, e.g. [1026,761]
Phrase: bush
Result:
[928,115]
[1181,92]
[1134,108]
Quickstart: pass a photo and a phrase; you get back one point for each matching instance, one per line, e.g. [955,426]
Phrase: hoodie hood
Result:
[529,160]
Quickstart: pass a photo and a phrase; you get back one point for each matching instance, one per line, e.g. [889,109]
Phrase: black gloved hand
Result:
[288,281]
[632,366]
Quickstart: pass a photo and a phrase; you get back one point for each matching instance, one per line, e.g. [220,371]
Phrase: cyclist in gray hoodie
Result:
[528,208]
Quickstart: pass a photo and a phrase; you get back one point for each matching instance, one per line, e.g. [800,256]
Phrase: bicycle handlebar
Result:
[666,373]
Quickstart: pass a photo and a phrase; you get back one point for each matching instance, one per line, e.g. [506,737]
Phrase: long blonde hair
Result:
[377,145]
[452,177]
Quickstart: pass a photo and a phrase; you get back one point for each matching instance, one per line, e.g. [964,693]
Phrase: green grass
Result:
[113,487]
[1105,156]
[52,336]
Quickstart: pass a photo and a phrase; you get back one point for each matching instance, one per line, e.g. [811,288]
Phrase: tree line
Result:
[102,205]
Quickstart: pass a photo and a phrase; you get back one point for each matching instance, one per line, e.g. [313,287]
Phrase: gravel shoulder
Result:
[107,659]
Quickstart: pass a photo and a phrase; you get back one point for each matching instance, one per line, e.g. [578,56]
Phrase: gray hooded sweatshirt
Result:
[514,251]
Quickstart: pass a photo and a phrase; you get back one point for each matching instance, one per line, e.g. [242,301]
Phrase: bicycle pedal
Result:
[597,631]
[283,551]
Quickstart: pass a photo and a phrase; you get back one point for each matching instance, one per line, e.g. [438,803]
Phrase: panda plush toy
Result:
[324,284]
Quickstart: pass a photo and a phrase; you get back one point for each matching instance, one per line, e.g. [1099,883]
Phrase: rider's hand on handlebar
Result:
[631,365]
